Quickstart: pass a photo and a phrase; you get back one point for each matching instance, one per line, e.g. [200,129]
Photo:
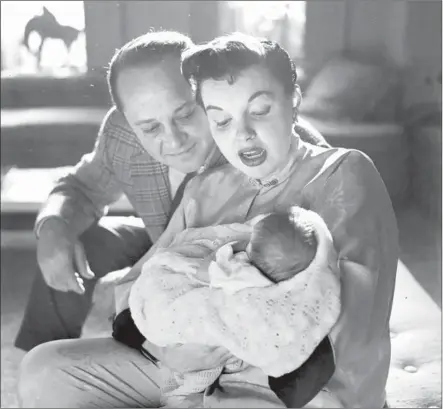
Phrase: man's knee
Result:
[39,376]
[114,243]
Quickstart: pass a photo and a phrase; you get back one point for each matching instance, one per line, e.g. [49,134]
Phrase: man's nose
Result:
[176,137]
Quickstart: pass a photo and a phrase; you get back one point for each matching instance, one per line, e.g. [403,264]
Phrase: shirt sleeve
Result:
[123,288]
[82,196]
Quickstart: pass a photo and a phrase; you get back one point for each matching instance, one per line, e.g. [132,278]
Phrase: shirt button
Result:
[410,369]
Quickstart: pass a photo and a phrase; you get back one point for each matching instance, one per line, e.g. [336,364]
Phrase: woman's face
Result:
[250,120]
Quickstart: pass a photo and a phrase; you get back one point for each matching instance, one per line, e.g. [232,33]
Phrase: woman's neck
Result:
[283,171]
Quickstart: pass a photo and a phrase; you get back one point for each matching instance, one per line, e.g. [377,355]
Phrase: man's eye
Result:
[262,112]
[223,124]
[151,130]
[186,115]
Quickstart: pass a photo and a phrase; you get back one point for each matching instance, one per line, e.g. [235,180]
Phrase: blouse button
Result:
[410,369]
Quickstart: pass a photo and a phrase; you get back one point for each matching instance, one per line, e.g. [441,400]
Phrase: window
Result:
[59,24]
[281,21]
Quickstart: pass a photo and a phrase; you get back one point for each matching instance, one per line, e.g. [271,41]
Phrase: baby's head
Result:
[282,245]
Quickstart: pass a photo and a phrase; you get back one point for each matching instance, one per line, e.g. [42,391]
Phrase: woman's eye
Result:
[223,124]
[262,112]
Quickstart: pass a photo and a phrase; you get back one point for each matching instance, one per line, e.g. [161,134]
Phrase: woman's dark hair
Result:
[150,47]
[226,56]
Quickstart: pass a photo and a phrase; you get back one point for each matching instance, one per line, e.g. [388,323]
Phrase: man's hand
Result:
[62,258]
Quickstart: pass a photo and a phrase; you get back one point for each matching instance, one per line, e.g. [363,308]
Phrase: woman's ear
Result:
[296,99]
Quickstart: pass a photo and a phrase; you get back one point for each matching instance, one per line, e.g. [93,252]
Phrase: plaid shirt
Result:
[118,164]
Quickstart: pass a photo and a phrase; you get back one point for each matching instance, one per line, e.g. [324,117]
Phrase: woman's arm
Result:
[275,327]
[354,202]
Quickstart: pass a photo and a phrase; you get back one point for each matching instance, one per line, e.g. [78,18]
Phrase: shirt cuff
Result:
[40,221]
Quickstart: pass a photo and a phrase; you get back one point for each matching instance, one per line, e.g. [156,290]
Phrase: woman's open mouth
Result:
[252,156]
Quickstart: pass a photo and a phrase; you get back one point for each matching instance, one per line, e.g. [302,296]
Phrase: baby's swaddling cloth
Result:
[274,327]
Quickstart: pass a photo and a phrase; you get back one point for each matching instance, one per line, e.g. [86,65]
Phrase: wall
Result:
[406,30]
[325,30]
[104,32]
[424,45]
[126,20]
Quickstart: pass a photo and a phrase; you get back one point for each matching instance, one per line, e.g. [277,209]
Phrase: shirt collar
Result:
[281,175]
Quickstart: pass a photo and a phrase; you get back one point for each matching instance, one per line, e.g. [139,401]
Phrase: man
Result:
[148,146]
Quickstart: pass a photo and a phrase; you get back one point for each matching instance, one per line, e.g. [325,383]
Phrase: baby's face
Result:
[252,223]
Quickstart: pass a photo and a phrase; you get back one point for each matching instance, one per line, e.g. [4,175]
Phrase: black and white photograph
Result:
[221,204]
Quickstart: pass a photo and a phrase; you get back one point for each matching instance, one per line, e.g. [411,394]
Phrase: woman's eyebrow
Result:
[260,93]
[253,96]
[213,107]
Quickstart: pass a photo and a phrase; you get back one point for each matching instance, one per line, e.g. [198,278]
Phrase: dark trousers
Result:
[111,244]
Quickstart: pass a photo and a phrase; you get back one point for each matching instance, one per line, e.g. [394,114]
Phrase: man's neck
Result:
[214,159]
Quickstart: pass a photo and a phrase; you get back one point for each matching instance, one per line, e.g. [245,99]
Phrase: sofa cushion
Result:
[353,89]
[41,90]
[48,137]
[415,374]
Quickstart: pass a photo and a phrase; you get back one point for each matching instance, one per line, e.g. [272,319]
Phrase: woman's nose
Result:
[246,131]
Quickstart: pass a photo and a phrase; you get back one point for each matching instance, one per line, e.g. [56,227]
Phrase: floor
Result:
[421,252]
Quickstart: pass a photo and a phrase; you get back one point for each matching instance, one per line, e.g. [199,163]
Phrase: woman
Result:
[247,88]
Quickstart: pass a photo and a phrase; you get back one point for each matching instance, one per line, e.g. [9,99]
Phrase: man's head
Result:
[147,86]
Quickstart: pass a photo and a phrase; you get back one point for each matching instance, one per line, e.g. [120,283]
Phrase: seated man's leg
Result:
[87,373]
[112,244]
[247,388]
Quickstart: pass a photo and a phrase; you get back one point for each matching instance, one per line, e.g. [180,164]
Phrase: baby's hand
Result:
[202,273]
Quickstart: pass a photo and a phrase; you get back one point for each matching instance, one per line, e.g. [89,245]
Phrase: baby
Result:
[281,245]
[262,252]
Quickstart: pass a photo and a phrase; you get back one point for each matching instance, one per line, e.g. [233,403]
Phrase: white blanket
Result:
[272,327]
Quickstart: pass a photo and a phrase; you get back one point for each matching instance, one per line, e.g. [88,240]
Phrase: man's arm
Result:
[81,197]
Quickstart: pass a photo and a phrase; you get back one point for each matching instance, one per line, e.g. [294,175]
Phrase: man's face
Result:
[161,108]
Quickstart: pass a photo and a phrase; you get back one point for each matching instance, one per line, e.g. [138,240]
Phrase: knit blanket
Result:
[275,327]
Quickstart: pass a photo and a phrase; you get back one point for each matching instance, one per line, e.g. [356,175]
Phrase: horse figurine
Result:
[47,26]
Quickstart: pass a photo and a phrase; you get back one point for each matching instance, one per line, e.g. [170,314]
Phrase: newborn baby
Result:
[281,245]
[258,256]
